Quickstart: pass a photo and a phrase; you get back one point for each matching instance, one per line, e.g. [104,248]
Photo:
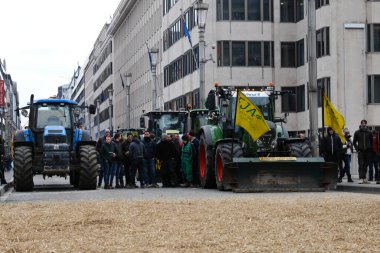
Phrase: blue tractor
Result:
[52,145]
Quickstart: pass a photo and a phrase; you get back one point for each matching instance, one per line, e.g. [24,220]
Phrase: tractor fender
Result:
[212,134]
[23,137]
[80,136]
[206,130]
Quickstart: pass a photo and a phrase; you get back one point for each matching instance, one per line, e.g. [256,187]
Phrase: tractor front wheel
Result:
[23,168]
[206,170]
[301,149]
[225,152]
[88,168]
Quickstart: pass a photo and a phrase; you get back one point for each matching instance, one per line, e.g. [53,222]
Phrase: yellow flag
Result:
[333,118]
[249,117]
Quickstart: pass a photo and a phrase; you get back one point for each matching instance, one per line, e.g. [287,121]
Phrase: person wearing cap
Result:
[332,147]
[101,161]
[363,145]
[347,151]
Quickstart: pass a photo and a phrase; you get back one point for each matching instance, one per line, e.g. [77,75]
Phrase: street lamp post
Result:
[129,76]
[154,55]
[98,121]
[202,13]
[110,91]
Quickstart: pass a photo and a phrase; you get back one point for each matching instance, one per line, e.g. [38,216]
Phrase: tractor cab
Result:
[169,122]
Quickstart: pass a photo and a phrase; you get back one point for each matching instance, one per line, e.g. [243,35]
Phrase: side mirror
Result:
[77,111]
[92,109]
[24,113]
[210,102]
[142,122]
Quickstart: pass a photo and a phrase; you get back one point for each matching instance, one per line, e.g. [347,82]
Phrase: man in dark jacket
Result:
[101,161]
[332,147]
[127,162]
[136,155]
[167,153]
[363,145]
[150,150]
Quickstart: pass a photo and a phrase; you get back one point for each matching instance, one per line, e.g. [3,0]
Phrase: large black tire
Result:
[224,153]
[88,168]
[23,168]
[206,164]
[300,149]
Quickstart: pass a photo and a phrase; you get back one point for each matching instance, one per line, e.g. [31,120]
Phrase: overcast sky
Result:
[43,41]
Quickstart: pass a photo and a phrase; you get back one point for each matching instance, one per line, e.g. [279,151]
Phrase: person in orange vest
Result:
[373,167]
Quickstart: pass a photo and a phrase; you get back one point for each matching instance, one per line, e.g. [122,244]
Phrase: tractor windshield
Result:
[53,115]
[170,122]
[262,102]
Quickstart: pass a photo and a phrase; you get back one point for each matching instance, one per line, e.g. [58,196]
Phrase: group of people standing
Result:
[365,142]
[170,161]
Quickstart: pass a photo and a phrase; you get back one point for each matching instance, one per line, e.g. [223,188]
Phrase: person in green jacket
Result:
[186,161]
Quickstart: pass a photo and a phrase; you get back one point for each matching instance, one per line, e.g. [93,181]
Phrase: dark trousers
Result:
[168,173]
[196,172]
[127,173]
[363,159]
[373,168]
[138,164]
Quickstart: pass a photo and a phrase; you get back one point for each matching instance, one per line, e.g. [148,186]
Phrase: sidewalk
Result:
[9,178]
[372,187]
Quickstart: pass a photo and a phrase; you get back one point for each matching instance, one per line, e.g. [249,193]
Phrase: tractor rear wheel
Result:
[89,169]
[301,149]
[23,168]
[206,162]
[225,152]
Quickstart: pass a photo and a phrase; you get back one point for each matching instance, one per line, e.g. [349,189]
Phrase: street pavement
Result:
[372,187]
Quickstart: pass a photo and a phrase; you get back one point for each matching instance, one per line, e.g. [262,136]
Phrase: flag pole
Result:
[323,110]
[233,129]
[187,34]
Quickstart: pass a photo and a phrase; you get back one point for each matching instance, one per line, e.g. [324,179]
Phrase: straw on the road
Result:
[254,223]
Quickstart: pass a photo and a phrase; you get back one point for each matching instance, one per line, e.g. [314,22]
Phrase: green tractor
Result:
[167,122]
[52,145]
[229,159]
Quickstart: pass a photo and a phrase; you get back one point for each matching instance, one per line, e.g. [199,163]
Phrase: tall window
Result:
[294,101]
[325,84]
[237,10]
[373,86]
[253,7]
[238,53]
[320,3]
[288,52]
[373,37]
[323,42]
[254,53]
[255,10]
[300,53]
[291,10]
[245,53]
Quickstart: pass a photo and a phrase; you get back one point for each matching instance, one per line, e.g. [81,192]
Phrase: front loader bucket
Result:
[280,174]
